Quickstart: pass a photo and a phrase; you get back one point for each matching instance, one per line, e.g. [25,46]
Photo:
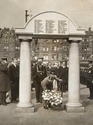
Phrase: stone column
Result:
[74,104]
[25,73]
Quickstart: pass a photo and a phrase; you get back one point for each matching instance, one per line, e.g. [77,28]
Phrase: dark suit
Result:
[63,74]
[40,75]
[13,72]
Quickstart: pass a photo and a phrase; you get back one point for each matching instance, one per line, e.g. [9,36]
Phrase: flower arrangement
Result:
[53,97]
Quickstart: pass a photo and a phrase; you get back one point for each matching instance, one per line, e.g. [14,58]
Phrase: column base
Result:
[75,108]
[24,105]
[25,108]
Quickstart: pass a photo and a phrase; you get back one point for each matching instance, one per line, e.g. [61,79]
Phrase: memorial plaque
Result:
[50,25]
[39,28]
[62,26]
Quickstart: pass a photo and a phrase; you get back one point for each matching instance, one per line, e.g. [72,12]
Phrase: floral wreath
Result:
[53,97]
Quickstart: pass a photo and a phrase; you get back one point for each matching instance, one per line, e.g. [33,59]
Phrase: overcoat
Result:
[89,78]
[12,72]
[4,78]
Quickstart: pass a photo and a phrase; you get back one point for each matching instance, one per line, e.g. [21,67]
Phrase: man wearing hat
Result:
[13,71]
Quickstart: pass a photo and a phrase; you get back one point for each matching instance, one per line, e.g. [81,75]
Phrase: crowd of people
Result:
[56,76]
[44,77]
[9,79]
[49,77]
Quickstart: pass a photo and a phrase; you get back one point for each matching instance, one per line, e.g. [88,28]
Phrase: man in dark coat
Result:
[40,75]
[4,82]
[63,74]
[13,71]
[33,74]
[89,79]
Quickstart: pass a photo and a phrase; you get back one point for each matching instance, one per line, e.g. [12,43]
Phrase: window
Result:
[47,49]
[54,57]
[55,48]
[44,49]
[45,57]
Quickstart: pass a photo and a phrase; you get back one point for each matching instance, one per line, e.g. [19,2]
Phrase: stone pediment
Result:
[51,22]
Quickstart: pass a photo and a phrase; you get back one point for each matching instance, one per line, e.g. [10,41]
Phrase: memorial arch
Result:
[50,25]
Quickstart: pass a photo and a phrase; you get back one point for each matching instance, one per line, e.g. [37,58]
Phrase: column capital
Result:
[22,36]
[75,39]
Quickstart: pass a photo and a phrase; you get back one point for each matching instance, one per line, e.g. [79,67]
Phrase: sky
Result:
[12,12]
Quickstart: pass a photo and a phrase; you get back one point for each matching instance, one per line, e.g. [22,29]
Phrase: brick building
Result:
[9,44]
[53,50]
[86,46]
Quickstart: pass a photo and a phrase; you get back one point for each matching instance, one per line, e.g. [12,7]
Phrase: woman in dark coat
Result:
[4,83]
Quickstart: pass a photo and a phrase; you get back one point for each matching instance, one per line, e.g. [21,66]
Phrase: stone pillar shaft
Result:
[25,75]
[74,78]
[74,74]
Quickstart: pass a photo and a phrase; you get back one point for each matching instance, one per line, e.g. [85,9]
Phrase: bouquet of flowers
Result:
[53,97]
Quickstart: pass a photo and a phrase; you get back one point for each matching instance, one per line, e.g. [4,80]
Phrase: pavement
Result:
[10,116]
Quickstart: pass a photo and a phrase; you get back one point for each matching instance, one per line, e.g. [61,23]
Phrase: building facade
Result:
[86,46]
[51,50]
